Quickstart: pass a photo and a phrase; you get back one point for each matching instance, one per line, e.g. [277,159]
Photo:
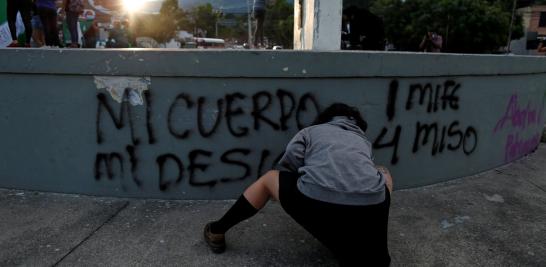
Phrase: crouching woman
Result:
[328,184]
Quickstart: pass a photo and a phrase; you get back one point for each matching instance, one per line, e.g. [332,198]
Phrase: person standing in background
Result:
[541,48]
[90,36]
[362,30]
[48,15]
[37,28]
[259,16]
[73,10]
[24,7]
[432,42]
[117,37]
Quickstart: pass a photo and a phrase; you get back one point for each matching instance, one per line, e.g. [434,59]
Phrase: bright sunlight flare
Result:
[133,5]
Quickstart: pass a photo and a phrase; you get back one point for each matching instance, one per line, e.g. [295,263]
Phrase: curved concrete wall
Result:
[205,124]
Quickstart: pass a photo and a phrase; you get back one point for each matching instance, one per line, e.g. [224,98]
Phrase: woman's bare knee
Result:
[271,182]
[265,188]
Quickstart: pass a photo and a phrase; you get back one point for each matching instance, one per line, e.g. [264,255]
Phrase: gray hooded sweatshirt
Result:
[335,163]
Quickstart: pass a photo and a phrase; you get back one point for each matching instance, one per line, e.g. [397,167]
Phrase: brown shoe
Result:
[216,242]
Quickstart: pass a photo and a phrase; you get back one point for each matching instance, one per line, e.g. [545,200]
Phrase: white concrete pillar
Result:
[317,24]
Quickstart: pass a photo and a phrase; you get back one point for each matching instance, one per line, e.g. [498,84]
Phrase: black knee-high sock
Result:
[241,210]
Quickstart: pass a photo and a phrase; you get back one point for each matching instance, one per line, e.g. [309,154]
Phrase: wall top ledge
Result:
[261,63]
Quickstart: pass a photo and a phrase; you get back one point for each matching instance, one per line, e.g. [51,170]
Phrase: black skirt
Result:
[357,235]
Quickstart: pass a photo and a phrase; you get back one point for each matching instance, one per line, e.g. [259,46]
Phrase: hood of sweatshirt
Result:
[348,124]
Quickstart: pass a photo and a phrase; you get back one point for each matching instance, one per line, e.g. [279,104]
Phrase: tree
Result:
[235,29]
[358,3]
[205,19]
[467,26]
[279,24]
[168,22]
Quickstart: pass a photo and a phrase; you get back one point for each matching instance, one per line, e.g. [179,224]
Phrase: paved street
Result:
[497,218]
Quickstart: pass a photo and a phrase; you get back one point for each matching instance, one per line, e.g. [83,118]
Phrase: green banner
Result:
[3,11]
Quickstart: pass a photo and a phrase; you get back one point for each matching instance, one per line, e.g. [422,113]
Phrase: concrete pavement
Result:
[497,218]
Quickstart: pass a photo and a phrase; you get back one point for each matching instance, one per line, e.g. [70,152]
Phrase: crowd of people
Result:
[361,30]
[40,20]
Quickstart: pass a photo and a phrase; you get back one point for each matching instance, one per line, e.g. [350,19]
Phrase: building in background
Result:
[534,24]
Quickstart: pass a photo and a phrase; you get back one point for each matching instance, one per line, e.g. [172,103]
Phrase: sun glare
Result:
[133,5]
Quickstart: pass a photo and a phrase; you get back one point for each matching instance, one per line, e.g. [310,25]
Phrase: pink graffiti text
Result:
[519,117]
[516,147]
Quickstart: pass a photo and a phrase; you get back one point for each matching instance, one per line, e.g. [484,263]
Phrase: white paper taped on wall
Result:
[116,86]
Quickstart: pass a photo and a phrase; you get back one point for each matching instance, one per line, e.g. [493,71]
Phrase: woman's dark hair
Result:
[340,109]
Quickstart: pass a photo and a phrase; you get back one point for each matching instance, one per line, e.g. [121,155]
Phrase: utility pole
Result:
[447,33]
[510,28]
[248,5]
[217,15]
